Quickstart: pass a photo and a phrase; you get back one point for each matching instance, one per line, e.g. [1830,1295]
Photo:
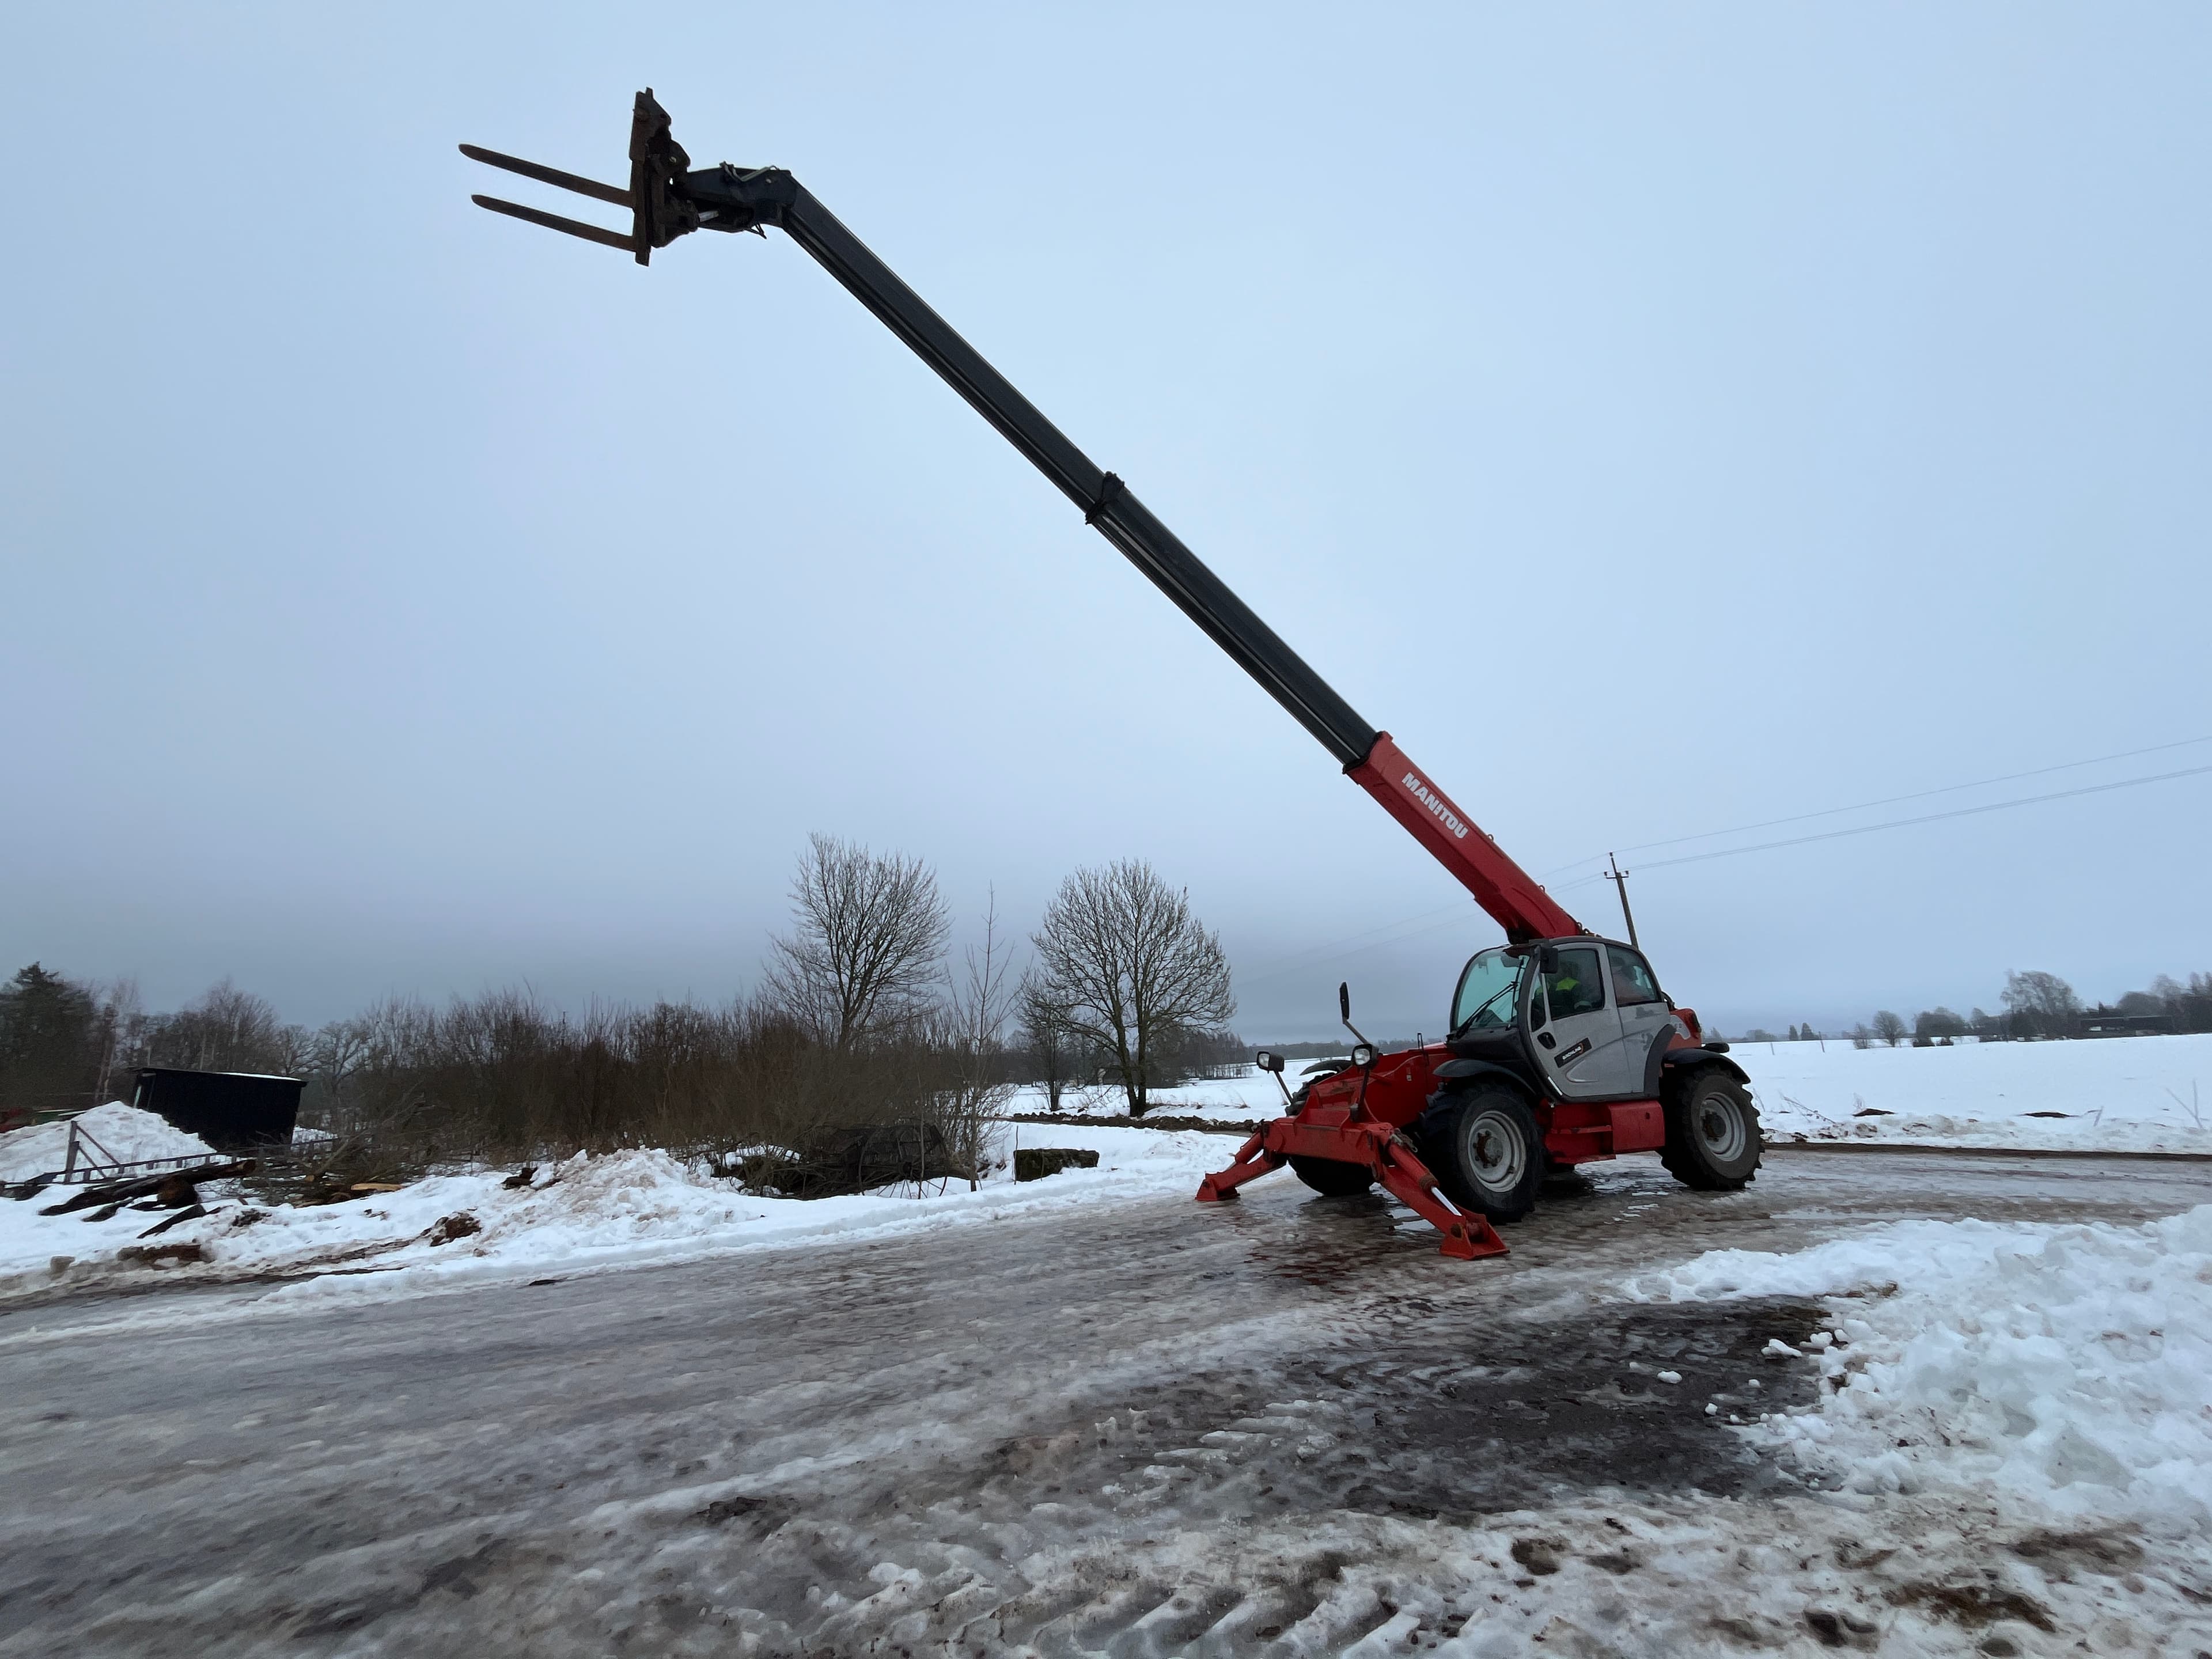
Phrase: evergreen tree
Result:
[50,1042]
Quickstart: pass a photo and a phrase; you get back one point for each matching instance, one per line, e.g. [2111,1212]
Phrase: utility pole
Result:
[1619,878]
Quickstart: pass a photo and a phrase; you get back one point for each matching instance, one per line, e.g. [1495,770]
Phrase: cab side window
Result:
[1574,986]
[1631,978]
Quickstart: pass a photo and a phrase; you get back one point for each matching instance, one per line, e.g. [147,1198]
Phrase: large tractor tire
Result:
[1332,1177]
[1713,1143]
[1484,1150]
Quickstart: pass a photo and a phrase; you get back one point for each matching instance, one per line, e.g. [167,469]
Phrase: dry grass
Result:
[502,1078]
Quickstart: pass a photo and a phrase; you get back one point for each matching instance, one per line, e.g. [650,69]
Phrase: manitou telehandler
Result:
[1563,1049]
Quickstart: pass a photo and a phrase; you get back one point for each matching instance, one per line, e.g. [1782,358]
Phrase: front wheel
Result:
[1713,1142]
[1485,1152]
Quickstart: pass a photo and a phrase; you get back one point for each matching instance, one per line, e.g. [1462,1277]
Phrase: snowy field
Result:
[623,1209]
[2127,1094]
[2121,1094]
[1251,1095]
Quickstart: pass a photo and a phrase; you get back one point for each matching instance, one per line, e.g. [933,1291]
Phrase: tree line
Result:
[862,1016]
[2035,1005]
[66,1044]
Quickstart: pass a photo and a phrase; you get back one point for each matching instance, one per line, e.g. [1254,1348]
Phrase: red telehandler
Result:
[1562,1048]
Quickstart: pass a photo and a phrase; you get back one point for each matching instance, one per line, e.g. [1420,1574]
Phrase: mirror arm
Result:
[1344,1009]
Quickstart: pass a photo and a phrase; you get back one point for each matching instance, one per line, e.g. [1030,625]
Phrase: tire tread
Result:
[1680,1153]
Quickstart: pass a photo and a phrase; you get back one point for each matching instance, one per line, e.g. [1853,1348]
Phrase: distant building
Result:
[2102,1023]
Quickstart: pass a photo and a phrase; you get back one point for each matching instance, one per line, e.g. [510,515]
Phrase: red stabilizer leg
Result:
[1468,1237]
[1253,1160]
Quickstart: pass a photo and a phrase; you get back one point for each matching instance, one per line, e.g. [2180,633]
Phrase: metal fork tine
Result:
[554,222]
[545,175]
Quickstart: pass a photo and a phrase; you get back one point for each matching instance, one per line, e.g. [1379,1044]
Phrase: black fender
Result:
[1458,1071]
[1664,1060]
[1453,1077]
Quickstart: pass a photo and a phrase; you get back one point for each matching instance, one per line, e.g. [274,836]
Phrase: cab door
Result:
[1646,1015]
[1574,1025]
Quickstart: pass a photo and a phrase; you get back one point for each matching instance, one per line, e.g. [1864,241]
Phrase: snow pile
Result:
[2070,1366]
[123,1133]
[2123,1094]
[623,1208]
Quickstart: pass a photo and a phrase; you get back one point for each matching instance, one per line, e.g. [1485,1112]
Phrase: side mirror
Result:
[1363,1055]
[1344,1010]
[1267,1062]
[1548,958]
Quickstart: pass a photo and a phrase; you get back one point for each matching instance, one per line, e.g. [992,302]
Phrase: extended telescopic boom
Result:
[667,199]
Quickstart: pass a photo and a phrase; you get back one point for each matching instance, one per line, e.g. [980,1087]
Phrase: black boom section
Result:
[736,198]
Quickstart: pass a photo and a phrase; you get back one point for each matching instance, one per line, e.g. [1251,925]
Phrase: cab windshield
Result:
[1487,991]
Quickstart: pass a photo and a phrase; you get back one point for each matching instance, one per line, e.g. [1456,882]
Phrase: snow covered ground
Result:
[2122,1094]
[2128,1094]
[625,1208]
[1251,1095]
[2056,1379]
[1281,1427]
[2065,1368]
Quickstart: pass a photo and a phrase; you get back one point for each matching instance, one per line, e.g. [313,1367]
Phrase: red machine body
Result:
[1397,1089]
[1476,861]
[1363,1116]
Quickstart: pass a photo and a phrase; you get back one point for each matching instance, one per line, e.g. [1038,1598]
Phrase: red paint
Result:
[1639,1125]
[1389,1155]
[1500,886]
[1360,1117]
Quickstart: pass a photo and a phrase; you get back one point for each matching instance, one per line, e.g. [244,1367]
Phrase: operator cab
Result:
[1580,1018]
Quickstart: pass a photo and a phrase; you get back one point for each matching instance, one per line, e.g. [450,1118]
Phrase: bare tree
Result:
[2189,1006]
[124,1024]
[1132,967]
[862,959]
[2043,1002]
[1052,1046]
[228,1030]
[1937,1025]
[969,1032]
[1889,1027]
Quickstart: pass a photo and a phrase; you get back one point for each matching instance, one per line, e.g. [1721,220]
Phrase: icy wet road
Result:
[1144,1428]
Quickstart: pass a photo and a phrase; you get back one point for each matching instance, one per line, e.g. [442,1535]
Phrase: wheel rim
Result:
[1721,1128]
[1496,1152]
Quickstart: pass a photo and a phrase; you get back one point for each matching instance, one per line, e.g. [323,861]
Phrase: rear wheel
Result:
[1485,1152]
[1713,1143]
[1332,1177]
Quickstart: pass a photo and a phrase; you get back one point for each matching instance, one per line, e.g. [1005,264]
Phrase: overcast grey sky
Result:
[1660,418]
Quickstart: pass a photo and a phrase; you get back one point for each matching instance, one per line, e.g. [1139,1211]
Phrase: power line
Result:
[1930,817]
[1429,921]
[1888,800]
